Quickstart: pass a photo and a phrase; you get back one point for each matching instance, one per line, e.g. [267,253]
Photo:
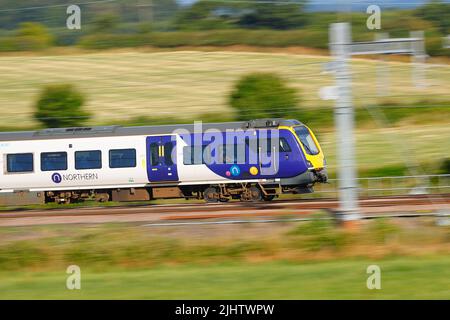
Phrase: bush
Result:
[106,23]
[318,234]
[19,255]
[445,166]
[33,36]
[263,95]
[382,230]
[107,41]
[60,106]
[228,37]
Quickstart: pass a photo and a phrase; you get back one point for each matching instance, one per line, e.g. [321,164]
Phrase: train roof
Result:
[108,131]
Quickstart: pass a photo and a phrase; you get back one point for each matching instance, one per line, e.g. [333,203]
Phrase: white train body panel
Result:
[104,178]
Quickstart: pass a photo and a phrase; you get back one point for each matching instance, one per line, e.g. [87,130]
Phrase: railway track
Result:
[278,210]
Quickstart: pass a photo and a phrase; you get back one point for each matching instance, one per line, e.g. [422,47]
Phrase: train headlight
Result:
[310,166]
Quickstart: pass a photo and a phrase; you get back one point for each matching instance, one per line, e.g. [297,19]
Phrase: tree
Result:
[274,15]
[60,106]
[202,15]
[106,23]
[438,13]
[263,95]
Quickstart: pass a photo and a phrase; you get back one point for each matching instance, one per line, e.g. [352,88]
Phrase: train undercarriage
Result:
[223,192]
[247,192]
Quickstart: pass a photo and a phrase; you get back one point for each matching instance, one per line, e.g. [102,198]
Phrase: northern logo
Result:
[235,170]
[56,178]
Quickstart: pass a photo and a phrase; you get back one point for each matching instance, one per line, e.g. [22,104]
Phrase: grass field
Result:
[314,260]
[419,149]
[401,278]
[122,85]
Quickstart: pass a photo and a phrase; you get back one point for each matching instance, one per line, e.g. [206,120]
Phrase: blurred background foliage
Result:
[167,23]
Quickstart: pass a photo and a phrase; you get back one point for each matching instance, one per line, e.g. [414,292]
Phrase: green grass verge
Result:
[401,278]
[313,260]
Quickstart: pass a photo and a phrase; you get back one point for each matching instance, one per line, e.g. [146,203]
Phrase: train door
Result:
[268,156]
[289,159]
[161,159]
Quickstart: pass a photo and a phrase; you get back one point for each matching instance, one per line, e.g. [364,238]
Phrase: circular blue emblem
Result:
[56,178]
[235,170]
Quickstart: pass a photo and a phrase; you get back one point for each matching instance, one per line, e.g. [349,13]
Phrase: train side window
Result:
[122,158]
[207,155]
[88,159]
[19,162]
[256,143]
[284,145]
[233,153]
[193,155]
[51,161]
[187,155]
[252,144]
[154,154]
[263,145]
[168,148]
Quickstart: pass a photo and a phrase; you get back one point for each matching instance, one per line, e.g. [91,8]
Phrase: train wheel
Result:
[102,197]
[211,195]
[268,197]
[252,194]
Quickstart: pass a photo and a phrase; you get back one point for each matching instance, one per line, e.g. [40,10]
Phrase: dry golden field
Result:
[121,85]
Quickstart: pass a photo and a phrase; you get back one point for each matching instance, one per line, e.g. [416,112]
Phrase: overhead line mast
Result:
[342,48]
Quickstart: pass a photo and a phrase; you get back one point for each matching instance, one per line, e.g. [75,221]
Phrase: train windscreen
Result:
[308,142]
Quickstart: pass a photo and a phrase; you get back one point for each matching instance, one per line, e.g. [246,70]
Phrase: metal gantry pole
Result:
[382,70]
[419,58]
[340,45]
[446,42]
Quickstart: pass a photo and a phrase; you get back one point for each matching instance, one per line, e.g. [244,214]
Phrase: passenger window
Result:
[122,158]
[168,147]
[187,155]
[284,145]
[154,154]
[234,153]
[252,144]
[51,161]
[193,155]
[19,162]
[88,160]
[207,155]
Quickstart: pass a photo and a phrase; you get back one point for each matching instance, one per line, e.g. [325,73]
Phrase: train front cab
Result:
[314,157]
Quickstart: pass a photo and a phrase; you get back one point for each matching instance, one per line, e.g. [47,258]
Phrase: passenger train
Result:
[251,160]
